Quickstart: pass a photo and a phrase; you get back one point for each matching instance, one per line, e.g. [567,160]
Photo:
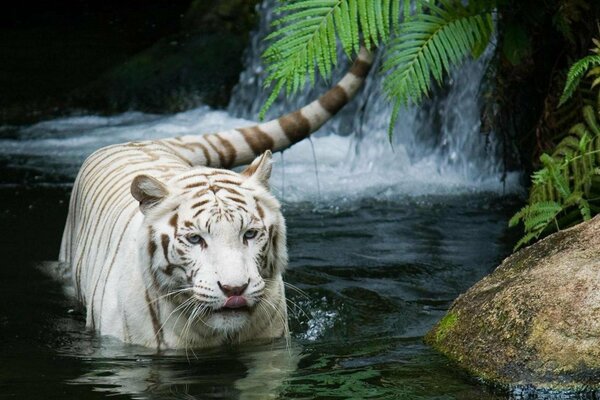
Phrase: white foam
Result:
[438,148]
[348,168]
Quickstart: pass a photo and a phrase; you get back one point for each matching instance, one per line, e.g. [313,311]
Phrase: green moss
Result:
[445,325]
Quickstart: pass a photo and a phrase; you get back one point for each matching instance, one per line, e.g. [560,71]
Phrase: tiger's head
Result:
[214,242]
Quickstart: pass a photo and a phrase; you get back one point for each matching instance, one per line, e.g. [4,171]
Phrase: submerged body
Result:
[168,251]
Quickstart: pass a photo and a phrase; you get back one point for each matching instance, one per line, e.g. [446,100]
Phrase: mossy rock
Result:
[535,320]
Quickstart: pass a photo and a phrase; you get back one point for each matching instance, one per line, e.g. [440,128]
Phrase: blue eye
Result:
[194,239]
[250,234]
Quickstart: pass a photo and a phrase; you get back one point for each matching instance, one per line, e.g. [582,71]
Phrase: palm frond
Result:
[430,44]
[309,32]
[576,73]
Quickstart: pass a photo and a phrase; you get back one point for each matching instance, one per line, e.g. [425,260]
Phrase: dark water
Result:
[374,278]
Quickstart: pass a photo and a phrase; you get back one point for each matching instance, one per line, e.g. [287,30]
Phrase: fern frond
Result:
[525,240]
[555,169]
[429,45]
[536,218]
[576,73]
[309,32]
[567,190]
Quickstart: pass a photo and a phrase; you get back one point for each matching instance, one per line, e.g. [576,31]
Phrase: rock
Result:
[175,74]
[199,65]
[535,320]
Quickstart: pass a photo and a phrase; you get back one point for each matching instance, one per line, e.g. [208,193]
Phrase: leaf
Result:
[524,240]
[558,179]
[576,72]
[584,207]
[308,33]
[518,217]
[429,45]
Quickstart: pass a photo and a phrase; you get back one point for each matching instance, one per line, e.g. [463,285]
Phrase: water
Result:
[376,277]
[381,241]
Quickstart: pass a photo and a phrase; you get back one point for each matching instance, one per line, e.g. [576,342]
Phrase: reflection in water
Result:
[256,371]
[268,371]
[251,371]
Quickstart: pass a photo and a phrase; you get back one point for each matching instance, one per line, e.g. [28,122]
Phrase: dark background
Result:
[110,56]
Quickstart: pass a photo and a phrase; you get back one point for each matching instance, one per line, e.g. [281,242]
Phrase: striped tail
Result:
[240,146]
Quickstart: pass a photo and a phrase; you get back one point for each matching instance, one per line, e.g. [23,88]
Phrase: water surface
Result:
[375,275]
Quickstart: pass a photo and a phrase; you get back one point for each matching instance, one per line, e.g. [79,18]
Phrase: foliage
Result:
[309,32]
[569,13]
[516,44]
[567,189]
[430,44]
[424,41]
[590,63]
[538,41]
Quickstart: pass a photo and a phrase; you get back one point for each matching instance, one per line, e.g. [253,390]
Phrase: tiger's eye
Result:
[250,234]
[195,239]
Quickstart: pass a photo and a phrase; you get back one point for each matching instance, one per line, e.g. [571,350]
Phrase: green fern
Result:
[308,33]
[589,64]
[432,37]
[576,73]
[536,218]
[429,45]
[567,190]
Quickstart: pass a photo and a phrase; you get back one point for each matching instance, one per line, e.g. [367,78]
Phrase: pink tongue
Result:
[235,302]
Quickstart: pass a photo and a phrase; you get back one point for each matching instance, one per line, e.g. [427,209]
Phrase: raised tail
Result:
[240,146]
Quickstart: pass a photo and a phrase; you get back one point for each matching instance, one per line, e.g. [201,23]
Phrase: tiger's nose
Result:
[233,290]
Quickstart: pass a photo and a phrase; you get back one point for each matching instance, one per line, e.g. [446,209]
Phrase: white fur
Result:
[127,292]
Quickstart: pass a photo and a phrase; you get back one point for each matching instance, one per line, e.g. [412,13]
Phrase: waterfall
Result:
[437,143]
[437,147]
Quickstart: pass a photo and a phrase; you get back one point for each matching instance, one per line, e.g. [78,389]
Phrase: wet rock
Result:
[535,320]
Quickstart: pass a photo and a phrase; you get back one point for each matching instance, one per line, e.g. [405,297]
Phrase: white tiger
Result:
[197,260]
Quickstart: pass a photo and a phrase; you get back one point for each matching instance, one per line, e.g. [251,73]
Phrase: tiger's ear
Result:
[148,191]
[260,169]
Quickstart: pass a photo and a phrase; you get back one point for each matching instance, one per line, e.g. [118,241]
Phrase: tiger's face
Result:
[213,241]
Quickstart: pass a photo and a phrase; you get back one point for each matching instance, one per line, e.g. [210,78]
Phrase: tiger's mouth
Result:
[235,304]
[227,310]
